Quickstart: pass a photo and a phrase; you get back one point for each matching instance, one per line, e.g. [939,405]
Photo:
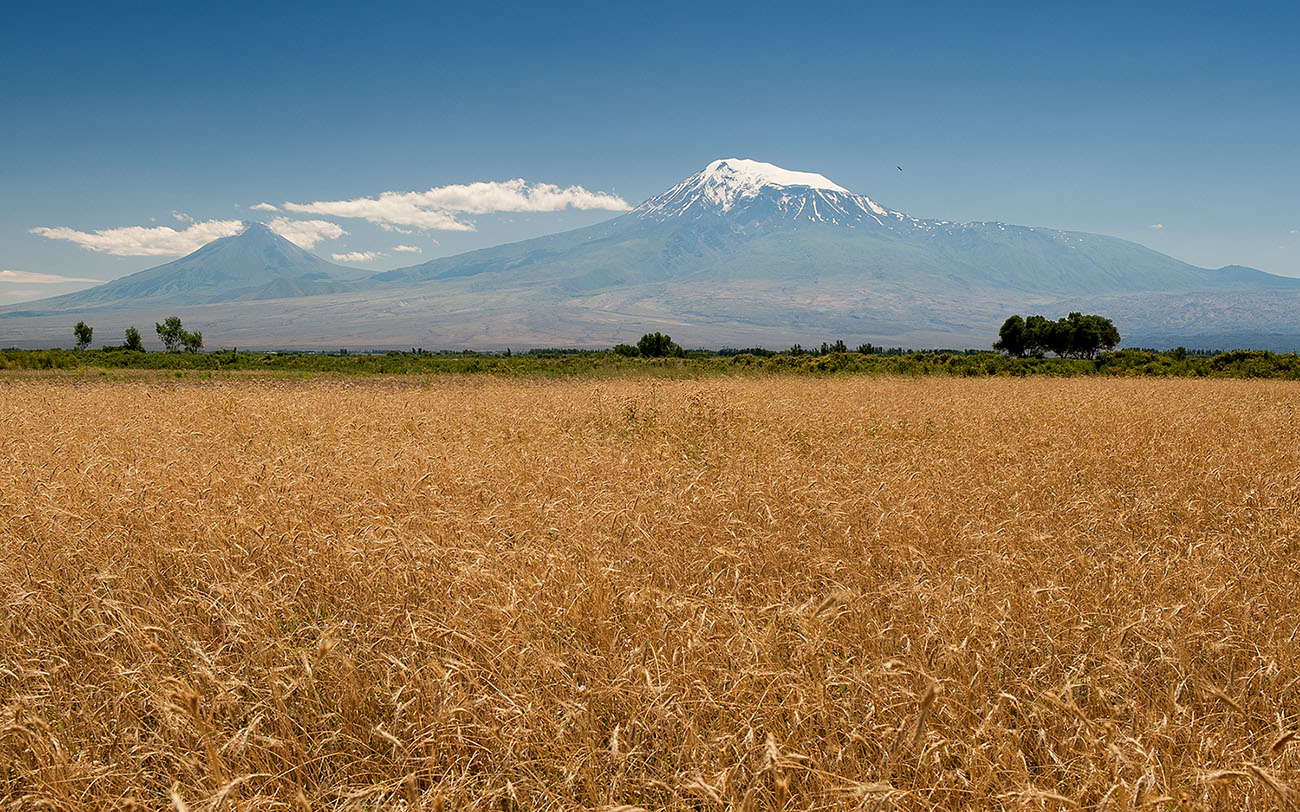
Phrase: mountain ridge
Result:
[746,251]
[733,201]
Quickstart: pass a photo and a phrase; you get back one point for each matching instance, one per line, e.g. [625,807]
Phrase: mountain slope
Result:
[255,264]
[774,223]
[741,253]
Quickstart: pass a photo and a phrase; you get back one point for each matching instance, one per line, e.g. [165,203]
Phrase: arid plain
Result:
[778,592]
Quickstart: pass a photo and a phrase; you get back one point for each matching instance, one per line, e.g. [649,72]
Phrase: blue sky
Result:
[1174,125]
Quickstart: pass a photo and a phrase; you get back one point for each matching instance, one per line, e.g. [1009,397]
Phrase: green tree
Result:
[1058,337]
[1081,336]
[132,341]
[192,342]
[1085,335]
[1037,335]
[1013,339]
[626,350]
[83,332]
[171,333]
[1104,333]
[658,345]
[1074,336]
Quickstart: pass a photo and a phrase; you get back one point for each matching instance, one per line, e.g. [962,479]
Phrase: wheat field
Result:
[773,593]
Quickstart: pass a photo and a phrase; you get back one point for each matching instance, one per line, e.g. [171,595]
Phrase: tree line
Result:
[1073,336]
[171,332]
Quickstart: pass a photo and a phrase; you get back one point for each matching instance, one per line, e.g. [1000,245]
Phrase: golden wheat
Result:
[755,594]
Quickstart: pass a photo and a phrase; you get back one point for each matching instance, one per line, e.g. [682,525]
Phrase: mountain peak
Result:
[252,228]
[745,175]
[739,186]
[256,263]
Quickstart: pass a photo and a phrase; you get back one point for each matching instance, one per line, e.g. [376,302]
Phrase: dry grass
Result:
[830,594]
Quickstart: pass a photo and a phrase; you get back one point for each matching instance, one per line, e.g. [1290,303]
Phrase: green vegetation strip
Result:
[567,363]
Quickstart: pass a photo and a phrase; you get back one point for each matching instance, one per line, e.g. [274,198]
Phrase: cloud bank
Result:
[29,278]
[139,241]
[305,233]
[357,256]
[439,208]
[408,249]
[442,208]
[157,241]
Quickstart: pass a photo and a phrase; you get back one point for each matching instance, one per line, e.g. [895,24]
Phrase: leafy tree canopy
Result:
[658,345]
[1075,336]
[174,336]
[83,332]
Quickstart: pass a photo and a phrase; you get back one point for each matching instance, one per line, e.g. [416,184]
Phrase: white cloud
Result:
[139,241]
[182,217]
[408,249]
[305,233]
[1156,226]
[357,256]
[395,229]
[438,207]
[390,207]
[29,278]
[1294,231]
[263,207]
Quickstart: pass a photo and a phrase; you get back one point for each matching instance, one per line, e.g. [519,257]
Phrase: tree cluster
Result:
[839,347]
[651,345]
[1075,336]
[175,337]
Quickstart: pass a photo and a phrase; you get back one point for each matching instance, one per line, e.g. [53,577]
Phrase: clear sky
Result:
[1175,125]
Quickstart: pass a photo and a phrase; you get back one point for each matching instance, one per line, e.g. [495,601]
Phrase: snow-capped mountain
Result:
[740,187]
[742,253]
[780,223]
[743,243]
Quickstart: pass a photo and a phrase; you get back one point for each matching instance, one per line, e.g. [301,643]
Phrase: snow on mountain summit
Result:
[735,184]
[744,175]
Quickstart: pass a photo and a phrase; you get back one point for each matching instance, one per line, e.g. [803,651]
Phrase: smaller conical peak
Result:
[252,228]
[745,175]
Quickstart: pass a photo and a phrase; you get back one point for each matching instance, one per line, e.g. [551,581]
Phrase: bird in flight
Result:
[900,169]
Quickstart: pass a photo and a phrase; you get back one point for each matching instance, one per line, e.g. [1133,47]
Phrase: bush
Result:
[658,345]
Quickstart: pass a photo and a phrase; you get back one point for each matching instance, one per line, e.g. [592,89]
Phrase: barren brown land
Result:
[850,593]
